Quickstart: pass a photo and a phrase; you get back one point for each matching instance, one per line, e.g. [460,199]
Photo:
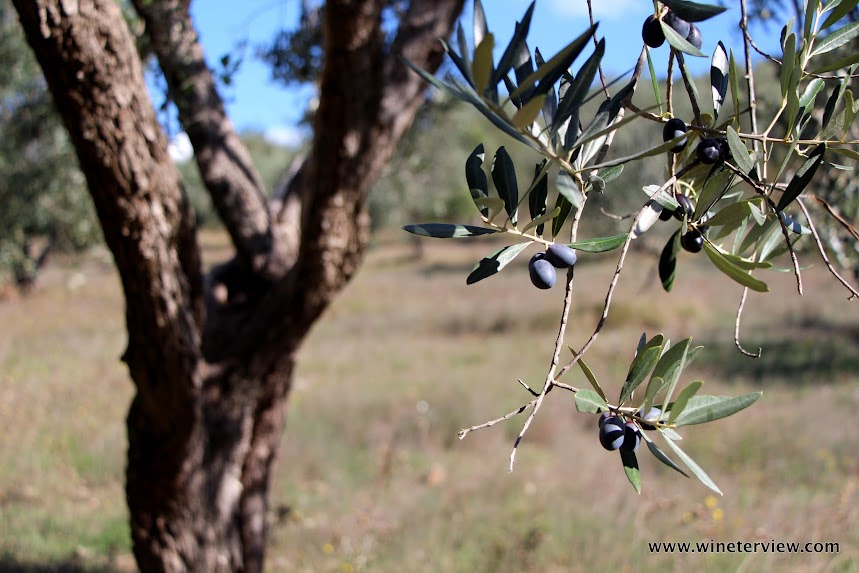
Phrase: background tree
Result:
[212,356]
[45,204]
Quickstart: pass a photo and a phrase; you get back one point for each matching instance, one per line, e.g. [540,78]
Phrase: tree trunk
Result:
[212,357]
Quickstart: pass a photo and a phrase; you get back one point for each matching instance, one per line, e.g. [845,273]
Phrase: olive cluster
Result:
[619,434]
[693,239]
[709,150]
[653,36]
[542,266]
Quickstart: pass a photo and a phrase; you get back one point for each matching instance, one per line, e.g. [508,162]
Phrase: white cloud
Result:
[180,148]
[285,135]
[603,9]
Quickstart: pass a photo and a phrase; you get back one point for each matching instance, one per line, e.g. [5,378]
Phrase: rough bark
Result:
[212,358]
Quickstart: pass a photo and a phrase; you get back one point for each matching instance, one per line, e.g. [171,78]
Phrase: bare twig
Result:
[611,287]
[832,213]
[464,432]
[737,327]
[528,388]
[750,82]
[562,331]
[848,286]
[596,43]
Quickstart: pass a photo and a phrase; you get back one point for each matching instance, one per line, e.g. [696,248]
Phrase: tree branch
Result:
[368,98]
[225,164]
[97,83]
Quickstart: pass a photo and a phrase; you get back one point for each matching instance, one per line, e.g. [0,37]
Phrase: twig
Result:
[611,287]
[848,286]
[559,341]
[832,213]
[528,388]
[464,432]
[596,43]
[737,327]
[760,190]
[750,83]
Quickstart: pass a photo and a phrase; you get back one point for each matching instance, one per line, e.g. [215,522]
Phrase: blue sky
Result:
[257,103]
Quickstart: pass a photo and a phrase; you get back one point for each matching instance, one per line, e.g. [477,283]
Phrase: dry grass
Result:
[371,474]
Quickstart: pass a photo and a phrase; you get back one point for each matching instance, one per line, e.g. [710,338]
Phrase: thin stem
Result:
[611,288]
[737,327]
[464,432]
[559,341]
[596,43]
[750,83]
[848,286]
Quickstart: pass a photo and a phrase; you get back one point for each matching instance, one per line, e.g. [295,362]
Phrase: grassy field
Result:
[372,476]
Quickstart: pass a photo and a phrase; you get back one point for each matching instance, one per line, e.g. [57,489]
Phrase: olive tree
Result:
[212,354]
[739,187]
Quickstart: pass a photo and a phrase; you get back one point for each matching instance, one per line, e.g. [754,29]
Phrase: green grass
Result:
[371,475]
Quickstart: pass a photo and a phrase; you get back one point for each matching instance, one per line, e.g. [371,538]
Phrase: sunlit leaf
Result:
[481,67]
[840,8]
[739,152]
[836,39]
[568,188]
[446,231]
[733,271]
[732,213]
[682,399]
[788,62]
[844,62]
[793,225]
[659,455]
[542,219]
[526,115]
[630,467]
[701,409]
[678,42]
[714,189]
[599,244]
[578,89]
[495,262]
[641,366]
[589,402]
[693,467]
[733,78]
[802,177]
[519,34]
[654,80]
[551,71]
[592,379]
[719,77]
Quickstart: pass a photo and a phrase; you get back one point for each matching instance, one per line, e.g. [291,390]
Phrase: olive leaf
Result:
[589,402]
[493,264]
[630,467]
[701,409]
[660,455]
[668,261]
[447,231]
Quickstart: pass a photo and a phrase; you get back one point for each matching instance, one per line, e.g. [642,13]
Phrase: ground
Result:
[372,476]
